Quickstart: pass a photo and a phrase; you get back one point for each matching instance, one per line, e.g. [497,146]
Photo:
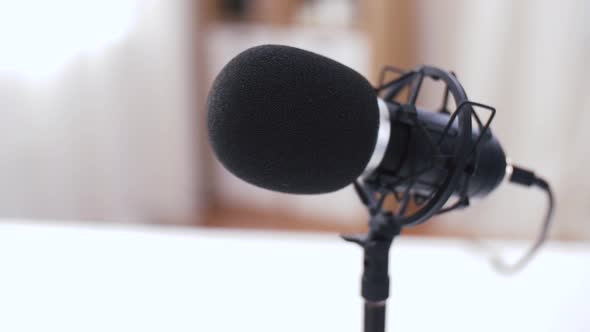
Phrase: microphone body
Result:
[409,152]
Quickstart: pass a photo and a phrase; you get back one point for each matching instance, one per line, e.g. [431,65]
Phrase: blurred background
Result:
[102,105]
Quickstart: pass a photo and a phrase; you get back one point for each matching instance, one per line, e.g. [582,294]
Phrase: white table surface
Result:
[148,278]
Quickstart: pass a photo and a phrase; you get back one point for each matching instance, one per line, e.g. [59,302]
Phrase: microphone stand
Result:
[375,279]
[384,225]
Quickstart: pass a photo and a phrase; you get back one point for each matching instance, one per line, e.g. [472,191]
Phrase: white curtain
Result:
[529,59]
[96,108]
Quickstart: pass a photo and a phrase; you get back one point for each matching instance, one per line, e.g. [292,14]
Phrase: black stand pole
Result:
[375,280]
[374,316]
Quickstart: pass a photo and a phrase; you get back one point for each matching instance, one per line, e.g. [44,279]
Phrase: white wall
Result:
[96,111]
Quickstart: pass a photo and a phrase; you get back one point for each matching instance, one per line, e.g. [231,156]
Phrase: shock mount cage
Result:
[374,189]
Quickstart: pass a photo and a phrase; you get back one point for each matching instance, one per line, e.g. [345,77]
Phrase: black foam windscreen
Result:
[292,121]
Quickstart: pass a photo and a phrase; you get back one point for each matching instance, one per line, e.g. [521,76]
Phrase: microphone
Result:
[293,121]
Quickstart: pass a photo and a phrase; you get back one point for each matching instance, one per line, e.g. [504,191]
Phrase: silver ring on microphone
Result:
[382,139]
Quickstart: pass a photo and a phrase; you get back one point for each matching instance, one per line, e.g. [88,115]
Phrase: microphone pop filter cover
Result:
[292,121]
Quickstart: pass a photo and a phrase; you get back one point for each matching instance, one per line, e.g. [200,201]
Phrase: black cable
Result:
[528,178]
